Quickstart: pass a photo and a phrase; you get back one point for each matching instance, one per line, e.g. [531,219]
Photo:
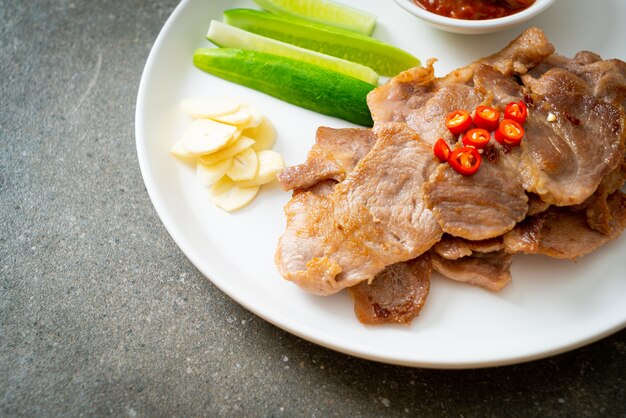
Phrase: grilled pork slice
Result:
[485,205]
[536,205]
[400,96]
[488,270]
[572,156]
[481,263]
[335,153]
[396,295]
[605,79]
[597,209]
[374,218]
[564,161]
[521,55]
[398,99]
[452,248]
[564,232]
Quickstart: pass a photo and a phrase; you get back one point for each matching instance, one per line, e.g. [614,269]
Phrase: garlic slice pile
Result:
[231,144]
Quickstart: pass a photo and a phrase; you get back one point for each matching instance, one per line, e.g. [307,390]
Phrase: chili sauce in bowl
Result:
[474,16]
[474,9]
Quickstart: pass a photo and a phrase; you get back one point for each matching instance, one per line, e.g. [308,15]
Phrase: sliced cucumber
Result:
[323,11]
[381,57]
[297,82]
[228,36]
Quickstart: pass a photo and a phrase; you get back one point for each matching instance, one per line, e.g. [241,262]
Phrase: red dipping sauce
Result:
[474,9]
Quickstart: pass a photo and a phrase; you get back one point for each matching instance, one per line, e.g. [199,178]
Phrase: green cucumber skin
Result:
[305,85]
[227,36]
[279,10]
[325,39]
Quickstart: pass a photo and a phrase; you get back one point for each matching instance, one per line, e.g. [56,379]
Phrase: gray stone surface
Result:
[100,312]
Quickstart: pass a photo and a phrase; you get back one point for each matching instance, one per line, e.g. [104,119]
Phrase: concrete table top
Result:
[102,314]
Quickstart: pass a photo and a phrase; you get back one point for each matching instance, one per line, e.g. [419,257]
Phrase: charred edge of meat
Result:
[491,153]
[529,100]
[574,120]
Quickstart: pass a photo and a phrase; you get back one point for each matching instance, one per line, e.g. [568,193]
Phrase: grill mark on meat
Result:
[605,79]
[522,54]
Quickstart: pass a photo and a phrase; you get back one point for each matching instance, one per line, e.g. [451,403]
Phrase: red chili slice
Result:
[441,150]
[458,121]
[487,118]
[516,111]
[465,160]
[509,132]
[477,138]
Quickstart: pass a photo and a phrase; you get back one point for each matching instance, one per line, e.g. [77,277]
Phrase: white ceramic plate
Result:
[550,307]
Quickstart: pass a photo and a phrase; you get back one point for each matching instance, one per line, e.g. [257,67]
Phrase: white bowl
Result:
[474,27]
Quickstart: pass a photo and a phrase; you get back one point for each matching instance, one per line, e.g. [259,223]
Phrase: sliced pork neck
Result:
[565,160]
[484,205]
[488,270]
[335,153]
[453,248]
[396,295]
[564,233]
[374,218]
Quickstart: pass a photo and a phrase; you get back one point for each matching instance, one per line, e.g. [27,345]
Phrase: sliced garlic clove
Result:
[241,144]
[255,117]
[238,198]
[264,135]
[245,166]
[232,140]
[229,197]
[179,151]
[238,118]
[210,174]
[204,136]
[220,190]
[270,163]
[209,107]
